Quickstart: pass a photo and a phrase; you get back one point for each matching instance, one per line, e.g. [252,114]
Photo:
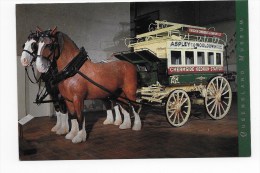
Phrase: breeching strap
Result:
[108,91]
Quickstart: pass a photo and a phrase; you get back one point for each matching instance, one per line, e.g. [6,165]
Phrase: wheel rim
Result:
[218,98]
[178,108]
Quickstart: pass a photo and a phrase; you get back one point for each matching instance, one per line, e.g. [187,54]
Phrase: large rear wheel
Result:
[218,98]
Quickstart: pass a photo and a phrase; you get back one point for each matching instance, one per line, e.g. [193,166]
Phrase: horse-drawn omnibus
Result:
[178,66]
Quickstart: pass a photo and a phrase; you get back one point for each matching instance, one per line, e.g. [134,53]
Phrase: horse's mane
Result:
[61,37]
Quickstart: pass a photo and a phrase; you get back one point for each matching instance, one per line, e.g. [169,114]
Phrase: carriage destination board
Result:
[170,84]
[195,45]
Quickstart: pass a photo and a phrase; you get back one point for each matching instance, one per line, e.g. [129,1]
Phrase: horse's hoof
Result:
[110,118]
[80,137]
[62,131]
[70,135]
[55,128]
[118,122]
[137,126]
[108,121]
[125,126]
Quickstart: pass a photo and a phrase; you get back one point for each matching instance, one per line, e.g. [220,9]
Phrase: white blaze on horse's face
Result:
[26,57]
[42,64]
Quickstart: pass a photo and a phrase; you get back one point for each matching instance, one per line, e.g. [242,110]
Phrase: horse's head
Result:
[47,50]
[30,48]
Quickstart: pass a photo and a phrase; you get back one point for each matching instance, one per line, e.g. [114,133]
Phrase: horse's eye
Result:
[50,47]
[34,47]
[23,46]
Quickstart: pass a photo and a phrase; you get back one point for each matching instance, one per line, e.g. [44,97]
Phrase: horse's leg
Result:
[130,93]
[81,135]
[118,119]
[58,122]
[74,128]
[137,122]
[64,128]
[109,119]
[74,123]
[127,121]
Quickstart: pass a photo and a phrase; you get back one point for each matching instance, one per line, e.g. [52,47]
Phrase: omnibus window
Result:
[176,57]
[210,58]
[201,58]
[189,57]
[218,58]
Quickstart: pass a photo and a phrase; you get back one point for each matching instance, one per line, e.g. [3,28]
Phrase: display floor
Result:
[199,137]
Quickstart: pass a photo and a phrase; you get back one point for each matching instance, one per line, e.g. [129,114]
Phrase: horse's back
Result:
[123,71]
[118,67]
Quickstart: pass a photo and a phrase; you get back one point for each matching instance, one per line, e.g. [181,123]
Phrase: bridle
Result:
[52,71]
[34,47]
[51,42]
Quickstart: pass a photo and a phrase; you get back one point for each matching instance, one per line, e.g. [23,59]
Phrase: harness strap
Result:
[108,91]
[32,54]
[72,68]
[36,80]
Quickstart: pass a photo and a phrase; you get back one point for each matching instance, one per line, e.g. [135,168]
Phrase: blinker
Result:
[34,47]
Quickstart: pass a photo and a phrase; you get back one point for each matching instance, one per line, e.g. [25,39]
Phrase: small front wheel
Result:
[178,108]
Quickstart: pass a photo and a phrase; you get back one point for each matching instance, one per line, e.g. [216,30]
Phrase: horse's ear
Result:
[38,29]
[54,30]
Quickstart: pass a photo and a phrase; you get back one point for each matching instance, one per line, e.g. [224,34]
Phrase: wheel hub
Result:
[218,96]
[178,107]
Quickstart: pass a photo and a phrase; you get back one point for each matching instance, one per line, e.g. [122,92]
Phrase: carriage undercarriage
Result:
[177,101]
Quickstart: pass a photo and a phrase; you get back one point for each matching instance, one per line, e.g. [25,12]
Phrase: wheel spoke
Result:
[174,99]
[182,116]
[182,96]
[184,101]
[210,97]
[178,118]
[172,113]
[219,110]
[225,103]
[214,86]
[178,97]
[172,103]
[213,107]
[216,110]
[224,87]
[174,118]
[217,83]
[210,103]
[225,92]
[211,91]
[222,107]
[220,88]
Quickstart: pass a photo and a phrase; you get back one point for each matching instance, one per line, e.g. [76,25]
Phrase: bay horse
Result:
[30,48]
[28,56]
[57,48]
